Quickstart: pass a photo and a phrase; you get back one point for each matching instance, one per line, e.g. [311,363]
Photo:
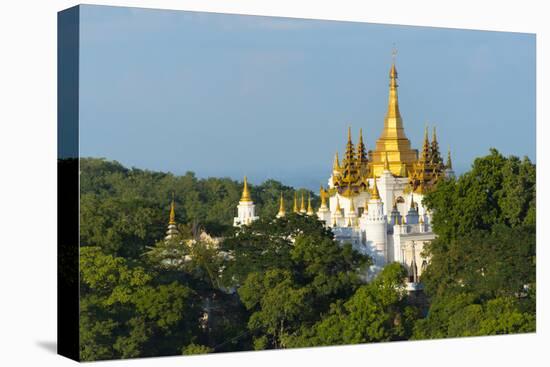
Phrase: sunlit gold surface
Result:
[172,212]
[393,140]
[246,194]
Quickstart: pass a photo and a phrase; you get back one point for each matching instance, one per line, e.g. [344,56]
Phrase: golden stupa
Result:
[393,144]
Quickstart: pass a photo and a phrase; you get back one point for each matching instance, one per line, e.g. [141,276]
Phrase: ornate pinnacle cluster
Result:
[429,168]
[350,177]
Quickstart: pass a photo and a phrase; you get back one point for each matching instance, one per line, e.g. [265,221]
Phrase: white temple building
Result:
[373,199]
[246,209]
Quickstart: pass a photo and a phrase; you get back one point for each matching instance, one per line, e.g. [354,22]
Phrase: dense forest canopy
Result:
[283,283]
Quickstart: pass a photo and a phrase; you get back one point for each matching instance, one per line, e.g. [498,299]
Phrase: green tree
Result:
[376,312]
[485,251]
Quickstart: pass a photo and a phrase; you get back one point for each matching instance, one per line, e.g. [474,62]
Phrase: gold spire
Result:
[375,195]
[351,206]
[425,155]
[282,211]
[302,205]
[435,155]
[338,209]
[323,197]
[336,163]
[361,150]
[172,211]
[449,162]
[246,194]
[393,139]
[295,208]
[413,206]
[309,207]
[393,103]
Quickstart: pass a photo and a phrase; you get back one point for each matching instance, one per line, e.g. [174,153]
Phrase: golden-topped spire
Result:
[449,161]
[375,195]
[349,157]
[282,211]
[393,139]
[413,206]
[323,196]
[303,205]
[425,155]
[172,231]
[351,206]
[338,209]
[309,207]
[172,211]
[246,194]
[336,164]
[435,155]
[393,103]
[295,208]
[361,150]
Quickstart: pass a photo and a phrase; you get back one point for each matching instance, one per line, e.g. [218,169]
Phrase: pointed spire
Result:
[349,162]
[435,155]
[246,194]
[172,210]
[361,150]
[338,209]
[303,205]
[449,161]
[336,164]
[393,103]
[309,207]
[295,208]
[323,196]
[282,211]
[413,205]
[172,231]
[375,195]
[350,153]
[425,155]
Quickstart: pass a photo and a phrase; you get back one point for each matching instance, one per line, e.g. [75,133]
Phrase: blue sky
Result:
[228,95]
